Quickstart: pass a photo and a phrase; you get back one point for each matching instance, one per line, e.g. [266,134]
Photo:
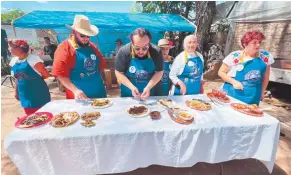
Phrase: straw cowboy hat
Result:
[164,43]
[83,26]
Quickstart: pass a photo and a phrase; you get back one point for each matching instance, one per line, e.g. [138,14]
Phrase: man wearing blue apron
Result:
[139,67]
[78,62]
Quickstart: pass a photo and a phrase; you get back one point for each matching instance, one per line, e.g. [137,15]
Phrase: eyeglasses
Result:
[83,36]
[142,48]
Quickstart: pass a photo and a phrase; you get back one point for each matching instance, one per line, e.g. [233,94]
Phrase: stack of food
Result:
[165,102]
[89,117]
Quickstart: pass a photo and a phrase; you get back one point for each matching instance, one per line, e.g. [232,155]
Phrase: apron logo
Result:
[21,75]
[186,80]
[165,76]
[89,64]
[190,63]
[253,76]
[142,75]
[93,57]
[132,69]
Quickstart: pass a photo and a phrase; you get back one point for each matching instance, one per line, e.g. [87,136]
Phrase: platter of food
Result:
[218,96]
[101,103]
[88,118]
[138,111]
[252,110]
[198,104]
[64,119]
[180,115]
[33,120]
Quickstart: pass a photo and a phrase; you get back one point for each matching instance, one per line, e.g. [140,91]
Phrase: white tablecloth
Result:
[120,143]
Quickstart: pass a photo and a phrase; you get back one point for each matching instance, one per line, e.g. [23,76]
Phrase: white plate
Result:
[101,107]
[181,109]
[173,103]
[138,116]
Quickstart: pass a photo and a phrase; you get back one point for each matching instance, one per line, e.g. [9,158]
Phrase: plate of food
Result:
[166,102]
[101,103]
[138,111]
[90,116]
[180,115]
[64,119]
[252,110]
[218,96]
[33,120]
[88,123]
[198,104]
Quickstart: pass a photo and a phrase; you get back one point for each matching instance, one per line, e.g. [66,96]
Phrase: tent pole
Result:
[14,31]
[195,27]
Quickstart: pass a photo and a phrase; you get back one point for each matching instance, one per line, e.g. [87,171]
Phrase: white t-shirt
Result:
[31,60]
[233,59]
[179,64]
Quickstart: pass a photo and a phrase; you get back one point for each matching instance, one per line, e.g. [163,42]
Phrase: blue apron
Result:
[139,74]
[251,76]
[32,90]
[191,75]
[85,75]
[166,82]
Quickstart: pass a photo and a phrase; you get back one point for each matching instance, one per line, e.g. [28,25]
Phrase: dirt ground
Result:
[11,109]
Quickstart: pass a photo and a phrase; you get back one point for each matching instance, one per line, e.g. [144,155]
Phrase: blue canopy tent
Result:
[111,25]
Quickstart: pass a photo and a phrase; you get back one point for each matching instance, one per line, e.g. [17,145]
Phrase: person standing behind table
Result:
[118,45]
[4,46]
[164,44]
[49,48]
[246,72]
[78,63]
[187,69]
[29,71]
[139,66]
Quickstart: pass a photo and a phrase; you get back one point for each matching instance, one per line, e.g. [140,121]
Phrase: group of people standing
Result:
[142,68]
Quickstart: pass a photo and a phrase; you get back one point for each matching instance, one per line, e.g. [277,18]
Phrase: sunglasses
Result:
[83,36]
[141,48]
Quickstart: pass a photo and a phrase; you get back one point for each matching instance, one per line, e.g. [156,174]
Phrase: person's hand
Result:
[80,95]
[145,94]
[183,89]
[135,93]
[238,85]
[16,96]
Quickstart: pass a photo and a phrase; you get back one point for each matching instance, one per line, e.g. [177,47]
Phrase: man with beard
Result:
[139,66]
[78,63]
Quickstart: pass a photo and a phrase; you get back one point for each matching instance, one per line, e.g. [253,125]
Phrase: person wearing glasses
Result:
[187,69]
[30,72]
[139,66]
[78,63]
[246,72]
[164,44]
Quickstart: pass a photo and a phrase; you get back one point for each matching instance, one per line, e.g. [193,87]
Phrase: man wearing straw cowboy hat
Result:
[78,62]
[164,44]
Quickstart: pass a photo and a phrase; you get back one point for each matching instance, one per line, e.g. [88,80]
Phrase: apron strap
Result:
[186,55]
[241,59]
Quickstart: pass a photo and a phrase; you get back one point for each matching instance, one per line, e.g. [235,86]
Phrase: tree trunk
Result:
[205,11]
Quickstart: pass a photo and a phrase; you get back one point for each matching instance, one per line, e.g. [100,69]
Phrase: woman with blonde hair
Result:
[165,46]
[246,72]
[29,71]
[187,69]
